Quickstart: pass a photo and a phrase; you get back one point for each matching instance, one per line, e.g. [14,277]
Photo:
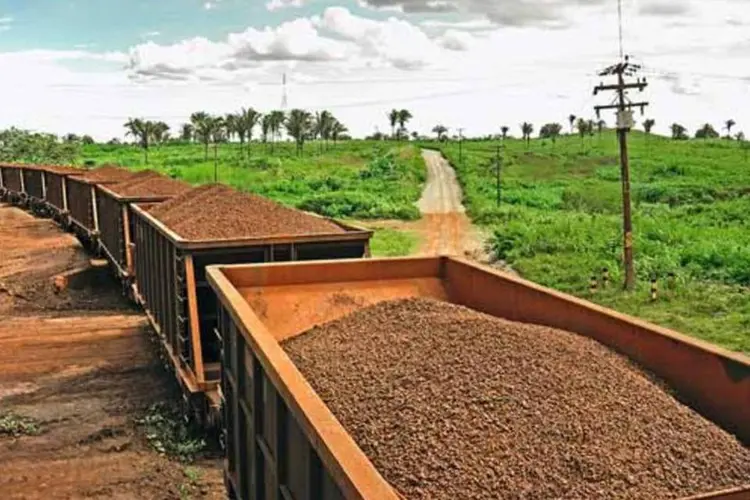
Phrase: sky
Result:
[86,66]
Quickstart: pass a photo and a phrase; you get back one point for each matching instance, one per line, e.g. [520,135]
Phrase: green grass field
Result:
[559,223]
[358,179]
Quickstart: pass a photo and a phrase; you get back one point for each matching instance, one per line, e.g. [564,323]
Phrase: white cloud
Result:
[6,20]
[283,4]
[461,72]
[150,34]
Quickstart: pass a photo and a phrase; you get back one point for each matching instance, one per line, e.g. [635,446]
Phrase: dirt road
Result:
[445,228]
[77,370]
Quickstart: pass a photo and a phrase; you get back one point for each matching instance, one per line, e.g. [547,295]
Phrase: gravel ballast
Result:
[218,212]
[450,403]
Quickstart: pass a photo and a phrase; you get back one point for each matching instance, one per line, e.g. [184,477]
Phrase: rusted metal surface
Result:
[33,182]
[280,436]
[256,299]
[170,274]
[12,178]
[115,227]
[80,203]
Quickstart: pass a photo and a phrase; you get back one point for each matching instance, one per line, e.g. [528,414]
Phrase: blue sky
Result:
[87,65]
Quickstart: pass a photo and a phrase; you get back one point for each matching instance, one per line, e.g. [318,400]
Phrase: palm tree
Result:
[247,120]
[728,127]
[299,126]
[552,130]
[265,129]
[648,125]
[322,127]
[160,132]
[143,132]
[504,130]
[202,129]
[403,118]
[572,120]
[393,118]
[441,131]
[217,131]
[231,124]
[187,132]
[600,126]
[527,129]
[338,129]
[277,120]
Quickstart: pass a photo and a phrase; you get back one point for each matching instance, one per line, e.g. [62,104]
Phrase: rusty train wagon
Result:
[80,199]
[34,183]
[12,182]
[170,284]
[55,193]
[283,441]
[116,221]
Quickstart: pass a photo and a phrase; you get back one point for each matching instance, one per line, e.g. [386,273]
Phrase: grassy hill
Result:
[559,223]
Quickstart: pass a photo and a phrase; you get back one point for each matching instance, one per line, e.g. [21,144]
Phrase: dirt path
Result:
[78,369]
[445,227]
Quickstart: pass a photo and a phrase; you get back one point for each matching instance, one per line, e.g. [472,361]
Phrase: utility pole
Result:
[497,173]
[624,124]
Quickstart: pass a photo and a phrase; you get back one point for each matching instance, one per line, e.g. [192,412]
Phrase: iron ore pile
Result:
[149,183]
[107,173]
[450,403]
[214,211]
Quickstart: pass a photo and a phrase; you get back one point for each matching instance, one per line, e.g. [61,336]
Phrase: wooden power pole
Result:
[623,106]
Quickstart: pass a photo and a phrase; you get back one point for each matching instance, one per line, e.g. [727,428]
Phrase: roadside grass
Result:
[393,243]
[358,179]
[559,223]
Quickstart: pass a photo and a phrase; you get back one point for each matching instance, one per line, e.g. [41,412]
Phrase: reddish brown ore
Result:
[108,173]
[450,403]
[149,183]
[218,212]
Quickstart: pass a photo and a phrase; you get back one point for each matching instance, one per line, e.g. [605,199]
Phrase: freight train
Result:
[223,309]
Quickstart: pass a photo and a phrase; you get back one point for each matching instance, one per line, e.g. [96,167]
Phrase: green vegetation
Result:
[359,179]
[559,223]
[192,482]
[393,243]
[16,425]
[31,147]
[167,433]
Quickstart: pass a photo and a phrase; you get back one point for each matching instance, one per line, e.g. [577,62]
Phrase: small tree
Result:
[583,127]
[393,118]
[441,131]
[600,126]
[202,129]
[299,126]
[550,131]
[679,133]
[186,133]
[572,120]
[87,140]
[338,131]
[728,127]
[707,131]
[404,116]
[246,122]
[504,130]
[527,129]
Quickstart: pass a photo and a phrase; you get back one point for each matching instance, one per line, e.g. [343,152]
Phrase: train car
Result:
[34,188]
[55,190]
[283,441]
[170,283]
[116,221]
[12,181]
[80,198]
